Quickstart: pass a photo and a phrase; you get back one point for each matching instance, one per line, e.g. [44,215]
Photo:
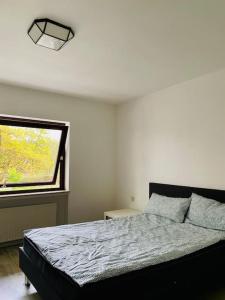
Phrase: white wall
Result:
[174,136]
[92,144]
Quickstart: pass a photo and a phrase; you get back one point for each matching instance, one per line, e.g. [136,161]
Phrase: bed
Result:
[190,270]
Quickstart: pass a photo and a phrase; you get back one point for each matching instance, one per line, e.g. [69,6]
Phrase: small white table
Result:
[114,214]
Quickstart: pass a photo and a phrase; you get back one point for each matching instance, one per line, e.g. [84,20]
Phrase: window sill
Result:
[39,194]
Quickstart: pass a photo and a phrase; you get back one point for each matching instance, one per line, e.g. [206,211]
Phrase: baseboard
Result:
[11,243]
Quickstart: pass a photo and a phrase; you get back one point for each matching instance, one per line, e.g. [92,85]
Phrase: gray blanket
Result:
[93,251]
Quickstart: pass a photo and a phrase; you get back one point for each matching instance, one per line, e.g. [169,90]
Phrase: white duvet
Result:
[93,251]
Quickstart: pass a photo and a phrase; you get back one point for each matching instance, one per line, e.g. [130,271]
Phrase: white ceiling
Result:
[123,49]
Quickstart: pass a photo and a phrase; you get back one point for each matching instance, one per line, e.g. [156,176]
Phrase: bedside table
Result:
[114,214]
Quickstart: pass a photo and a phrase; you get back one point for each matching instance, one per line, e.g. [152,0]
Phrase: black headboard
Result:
[185,191]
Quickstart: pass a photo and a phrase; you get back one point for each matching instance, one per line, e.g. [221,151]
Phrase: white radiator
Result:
[14,220]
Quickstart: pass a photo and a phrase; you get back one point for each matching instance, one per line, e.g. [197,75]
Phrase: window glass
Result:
[31,158]
[28,154]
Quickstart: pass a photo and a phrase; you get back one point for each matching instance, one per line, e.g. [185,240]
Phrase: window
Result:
[32,155]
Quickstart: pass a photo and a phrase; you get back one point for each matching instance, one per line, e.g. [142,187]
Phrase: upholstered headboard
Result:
[185,191]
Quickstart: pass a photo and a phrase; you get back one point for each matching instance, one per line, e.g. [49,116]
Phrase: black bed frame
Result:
[170,190]
[182,275]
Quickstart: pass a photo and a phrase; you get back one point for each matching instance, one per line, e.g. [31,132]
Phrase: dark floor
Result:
[12,282]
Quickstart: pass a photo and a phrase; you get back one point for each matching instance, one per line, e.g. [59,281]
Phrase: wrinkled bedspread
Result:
[93,251]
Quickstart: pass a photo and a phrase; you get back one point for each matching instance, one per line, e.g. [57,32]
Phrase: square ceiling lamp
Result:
[50,34]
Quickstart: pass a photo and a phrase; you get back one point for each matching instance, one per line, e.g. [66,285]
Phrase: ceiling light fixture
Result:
[50,34]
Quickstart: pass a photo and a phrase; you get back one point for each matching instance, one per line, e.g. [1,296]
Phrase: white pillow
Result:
[206,213]
[169,207]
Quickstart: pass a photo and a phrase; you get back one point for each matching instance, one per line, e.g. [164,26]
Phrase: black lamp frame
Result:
[46,20]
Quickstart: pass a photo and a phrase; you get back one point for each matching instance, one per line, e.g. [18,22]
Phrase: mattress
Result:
[97,251]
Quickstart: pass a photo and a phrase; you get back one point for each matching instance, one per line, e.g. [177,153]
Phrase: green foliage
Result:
[26,154]
[14,176]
